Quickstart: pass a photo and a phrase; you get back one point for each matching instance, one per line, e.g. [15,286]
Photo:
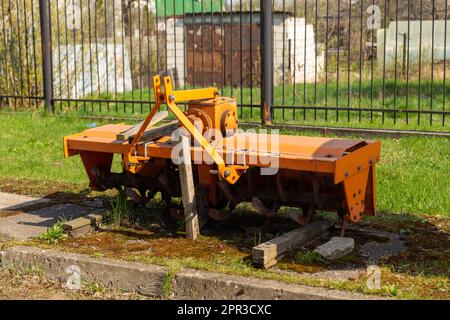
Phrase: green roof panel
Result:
[175,7]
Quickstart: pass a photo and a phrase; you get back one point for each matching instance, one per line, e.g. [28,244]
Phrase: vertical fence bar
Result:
[316,16]
[283,63]
[26,40]
[372,40]
[46,54]
[82,55]
[33,40]
[231,46]
[222,47]
[326,60]
[212,46]
[74,36]
[395,60]
[105,15]
[293,66]
[251,58]
[383,96]
[304,58]
[360,61]
[432,61]
[349,58]
[419,93]
[241,60]
[5,59]
[338,11]
[266,61]
[19,57]
[444,91]
[407,63]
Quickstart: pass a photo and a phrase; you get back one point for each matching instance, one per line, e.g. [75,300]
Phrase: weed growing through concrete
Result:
[55,232]
[169,277]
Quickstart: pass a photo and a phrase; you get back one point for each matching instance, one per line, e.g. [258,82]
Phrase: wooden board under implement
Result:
[157,132]
[127,134]
[268,253]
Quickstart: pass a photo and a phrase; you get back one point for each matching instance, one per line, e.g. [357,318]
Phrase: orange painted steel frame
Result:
[134,163]
[349,164]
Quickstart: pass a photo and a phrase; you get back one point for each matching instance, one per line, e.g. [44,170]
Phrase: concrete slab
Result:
[10,201]
[373,251]
[151,279]
[336,248]
[31,224]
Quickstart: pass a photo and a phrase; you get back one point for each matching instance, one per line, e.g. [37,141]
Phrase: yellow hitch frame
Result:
[134,163]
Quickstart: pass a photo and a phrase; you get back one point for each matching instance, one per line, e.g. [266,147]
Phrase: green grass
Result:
[119,209]
[31,147]
[412,177]
[54,233]
[398,95]
[309,257]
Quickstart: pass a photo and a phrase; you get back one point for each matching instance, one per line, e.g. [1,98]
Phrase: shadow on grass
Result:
[427,239]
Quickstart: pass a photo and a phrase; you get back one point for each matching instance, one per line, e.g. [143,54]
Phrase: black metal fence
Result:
[381,63]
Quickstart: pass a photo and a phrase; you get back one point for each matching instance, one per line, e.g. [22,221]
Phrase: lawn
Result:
[325,104]
[412,177]
[376,94]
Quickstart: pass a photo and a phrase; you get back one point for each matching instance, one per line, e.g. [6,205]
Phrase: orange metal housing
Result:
[350,163]
[230,166]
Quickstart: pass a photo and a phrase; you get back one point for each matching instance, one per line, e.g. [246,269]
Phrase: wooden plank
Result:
[268,253]
[157,132]
[76,223]
[81,231]
[83,225]
[188,191]
[125,135]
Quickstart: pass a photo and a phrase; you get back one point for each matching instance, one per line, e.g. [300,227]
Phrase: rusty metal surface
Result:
[216,55]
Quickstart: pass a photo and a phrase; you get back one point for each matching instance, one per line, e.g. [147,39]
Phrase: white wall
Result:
[295,56]
[69,62]
[175,48]
[106,66]
[414,42]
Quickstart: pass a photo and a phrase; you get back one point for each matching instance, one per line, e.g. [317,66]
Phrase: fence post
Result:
[44,16]
[266,61]
[404,55]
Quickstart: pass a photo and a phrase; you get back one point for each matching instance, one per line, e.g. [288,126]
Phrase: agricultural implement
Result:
[229,166]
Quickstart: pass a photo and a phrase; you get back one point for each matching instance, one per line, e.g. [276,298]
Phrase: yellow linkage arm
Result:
[134,163]
[229,173]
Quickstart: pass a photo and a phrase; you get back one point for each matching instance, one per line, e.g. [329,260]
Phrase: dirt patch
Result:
[8,213]
[35,188]
[120,243]
[74,194]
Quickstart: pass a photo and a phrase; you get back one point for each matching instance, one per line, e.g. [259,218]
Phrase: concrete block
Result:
[336,248]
